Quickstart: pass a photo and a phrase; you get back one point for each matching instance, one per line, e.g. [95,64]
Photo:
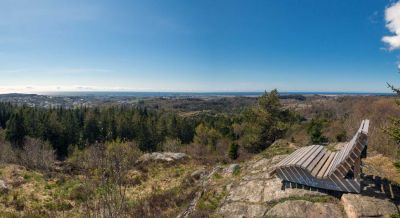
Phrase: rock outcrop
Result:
[166,157]
[3,187]
[256,191]
[301,208]
[233,168]
[248,190]
[356,205]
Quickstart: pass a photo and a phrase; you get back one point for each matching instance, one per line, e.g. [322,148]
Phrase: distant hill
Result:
[17,95]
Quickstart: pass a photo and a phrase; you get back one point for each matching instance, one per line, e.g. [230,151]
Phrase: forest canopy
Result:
[254,129]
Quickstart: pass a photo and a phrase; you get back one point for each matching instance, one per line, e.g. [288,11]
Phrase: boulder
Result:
[3,187]
[247,191]
[199,174]
[166,157]
[233,168]
[273,191]
[241,210]
[364,206]
[301,208]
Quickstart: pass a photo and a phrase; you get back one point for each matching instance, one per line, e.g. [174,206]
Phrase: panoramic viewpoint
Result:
[191,109]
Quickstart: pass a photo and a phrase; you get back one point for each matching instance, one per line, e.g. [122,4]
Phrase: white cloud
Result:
[392,17]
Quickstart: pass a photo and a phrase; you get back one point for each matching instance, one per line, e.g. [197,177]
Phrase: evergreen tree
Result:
[393,130]
[234,151]
[263,124]
[207,136]
[315,132]
[91,130]
[16,130]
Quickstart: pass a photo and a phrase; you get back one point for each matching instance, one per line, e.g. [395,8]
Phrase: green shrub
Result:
[81,193]
[234,151]
[342,136]
[315,132]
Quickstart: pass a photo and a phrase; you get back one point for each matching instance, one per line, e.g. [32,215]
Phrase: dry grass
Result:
[346,113]
[382,166]
[159,188]
[159,178]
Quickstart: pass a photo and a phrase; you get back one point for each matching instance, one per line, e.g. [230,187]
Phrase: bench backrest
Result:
[347,156]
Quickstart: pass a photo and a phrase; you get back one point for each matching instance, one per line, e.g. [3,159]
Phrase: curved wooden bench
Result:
[317,167]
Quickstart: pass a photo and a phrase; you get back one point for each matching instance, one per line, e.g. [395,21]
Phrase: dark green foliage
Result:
[397,165]
[63,128]
[342,136]
[91,129]
[393,130]
[262,125]
[16,130]
[254,129]
[233,151]
[315,132]
[207,136]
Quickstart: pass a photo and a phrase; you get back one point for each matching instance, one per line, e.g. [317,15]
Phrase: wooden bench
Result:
[315,166]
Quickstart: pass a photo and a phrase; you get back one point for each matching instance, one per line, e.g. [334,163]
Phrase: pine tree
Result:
[315,132]
[234,151]
[16,130]
[91,129]
[393,130]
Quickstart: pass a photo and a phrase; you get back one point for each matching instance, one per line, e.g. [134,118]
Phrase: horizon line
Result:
[199,92]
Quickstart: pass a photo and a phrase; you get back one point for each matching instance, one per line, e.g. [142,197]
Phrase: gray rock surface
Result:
[247,191]
[233,168]
[241,210]
[301,208]
[3,187]
[273,191]
[363,206]
[168,157]
[254,193]
[198,174]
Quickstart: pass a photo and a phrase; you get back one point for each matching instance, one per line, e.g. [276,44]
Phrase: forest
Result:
[153,130]
[88,160]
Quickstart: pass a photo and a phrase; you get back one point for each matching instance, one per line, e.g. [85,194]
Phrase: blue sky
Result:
[188,45]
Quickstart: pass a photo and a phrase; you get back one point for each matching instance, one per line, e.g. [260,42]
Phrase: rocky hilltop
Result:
[175,185]
[247,190]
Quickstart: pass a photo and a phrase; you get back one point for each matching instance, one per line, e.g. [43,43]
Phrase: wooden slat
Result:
[290,174]
[307,155]
[340,171]
[324,167]
[347,149]
[288,158]
[338,158]
[295,171]
[306,162]
[294,155]
[304,154]
[330,165]
[320,163]
[299,155]
[341,183]
[281,172]
[316,160]
[361,126]
[366,126]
